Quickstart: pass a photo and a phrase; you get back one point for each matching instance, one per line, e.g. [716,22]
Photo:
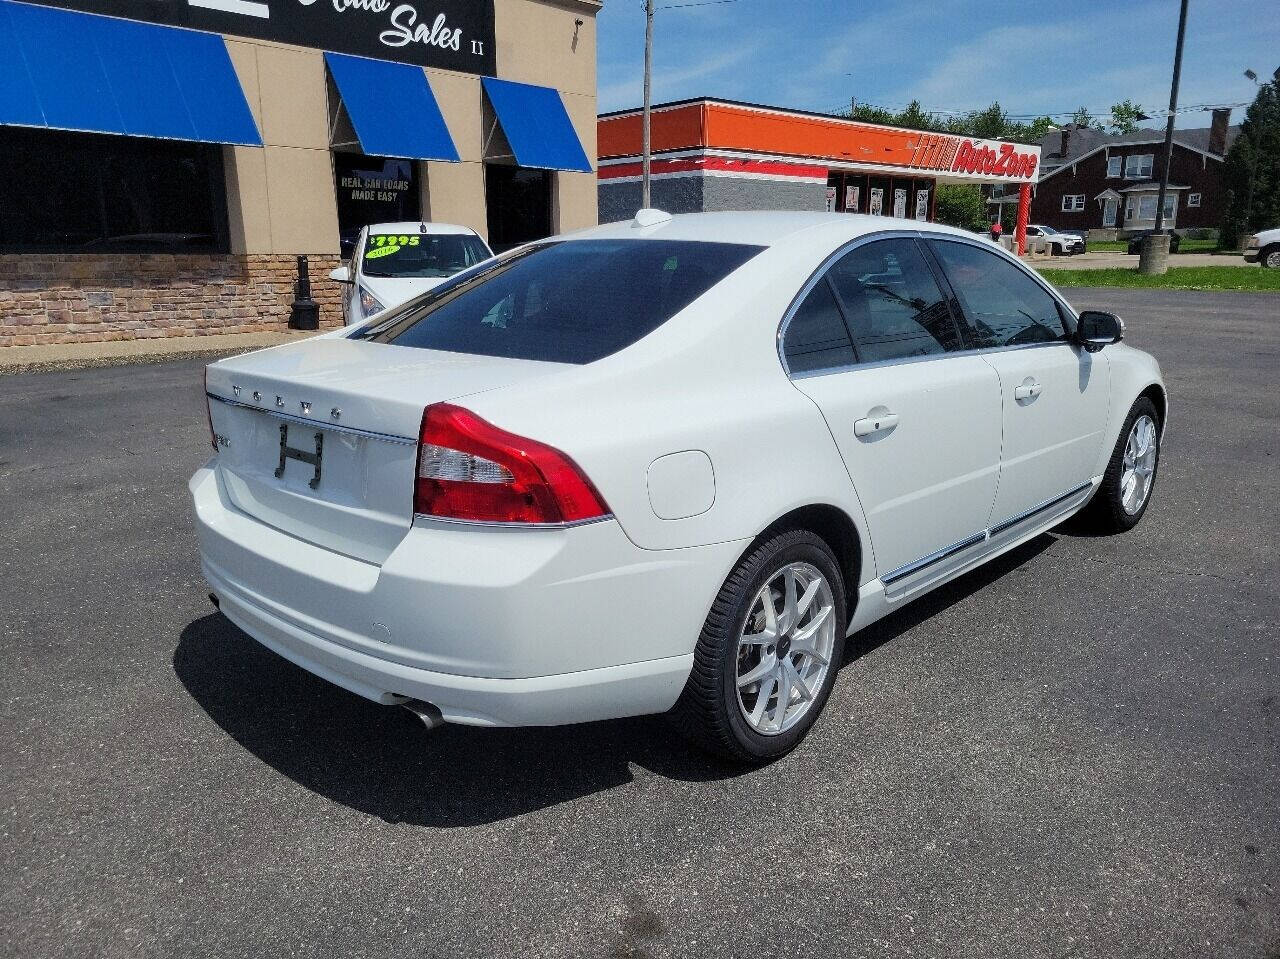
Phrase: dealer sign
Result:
[449,34]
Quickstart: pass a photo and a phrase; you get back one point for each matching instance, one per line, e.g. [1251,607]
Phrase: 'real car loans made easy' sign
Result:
[449,34]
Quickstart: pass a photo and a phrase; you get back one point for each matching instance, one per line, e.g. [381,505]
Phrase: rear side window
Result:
[567,302]
[893,303]
[1004,306]
[816,337]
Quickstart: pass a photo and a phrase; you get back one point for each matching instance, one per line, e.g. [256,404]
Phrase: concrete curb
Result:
[62,356]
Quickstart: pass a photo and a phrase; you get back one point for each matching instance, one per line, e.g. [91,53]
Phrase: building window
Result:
[1170,205]
[1113,166]
[1147,207]
[1072,202]
[1138,166]
[1193,199]
[373,190]
[90,193]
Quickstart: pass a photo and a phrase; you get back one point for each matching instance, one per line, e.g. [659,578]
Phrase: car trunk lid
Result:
[319,439]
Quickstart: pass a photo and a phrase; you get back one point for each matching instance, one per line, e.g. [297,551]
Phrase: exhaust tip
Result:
[213,598]
[429,715]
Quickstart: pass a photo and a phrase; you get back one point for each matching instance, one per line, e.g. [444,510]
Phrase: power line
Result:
[1091,114]
[700,3]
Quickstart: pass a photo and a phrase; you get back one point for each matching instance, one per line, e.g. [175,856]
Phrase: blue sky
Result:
[1033,56]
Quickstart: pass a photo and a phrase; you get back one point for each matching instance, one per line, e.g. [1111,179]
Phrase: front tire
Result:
[1270,257]
[767,657]
[1122,498]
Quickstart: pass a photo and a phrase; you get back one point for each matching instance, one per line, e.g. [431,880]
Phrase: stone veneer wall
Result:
[78,298]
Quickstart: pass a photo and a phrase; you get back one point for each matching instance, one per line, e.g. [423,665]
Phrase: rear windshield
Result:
[567,302]
[432,255]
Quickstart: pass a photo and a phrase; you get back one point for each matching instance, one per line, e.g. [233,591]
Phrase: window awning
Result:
[392,109]
[536,125]
[78,71]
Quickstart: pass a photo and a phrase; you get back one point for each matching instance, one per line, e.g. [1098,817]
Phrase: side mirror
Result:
[342,275]
[1098,329]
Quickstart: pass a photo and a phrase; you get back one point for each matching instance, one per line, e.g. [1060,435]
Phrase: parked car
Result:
[1264,248]
[1082,234]
[1135,242]
[665,464]
[1059,244]
[392,263]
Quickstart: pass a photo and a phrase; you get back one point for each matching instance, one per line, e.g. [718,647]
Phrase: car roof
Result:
[758,228]
[419,226]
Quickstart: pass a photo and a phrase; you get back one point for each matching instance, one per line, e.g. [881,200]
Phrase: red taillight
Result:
[208,412]
[470,469]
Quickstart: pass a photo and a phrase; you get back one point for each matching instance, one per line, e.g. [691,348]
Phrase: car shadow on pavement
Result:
[379,760]
[871,638]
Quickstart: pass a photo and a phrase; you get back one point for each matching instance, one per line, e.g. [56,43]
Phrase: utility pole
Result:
[1154,258]
[1173,109]
[645,199]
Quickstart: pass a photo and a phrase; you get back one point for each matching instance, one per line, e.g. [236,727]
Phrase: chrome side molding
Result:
[902,572]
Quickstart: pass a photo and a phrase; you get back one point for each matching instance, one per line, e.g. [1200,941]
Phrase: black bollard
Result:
[304,314]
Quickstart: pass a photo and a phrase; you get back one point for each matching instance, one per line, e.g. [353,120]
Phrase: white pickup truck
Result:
[1264,248]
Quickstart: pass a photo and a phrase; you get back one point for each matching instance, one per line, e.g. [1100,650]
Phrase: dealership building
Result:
[162,167]
[723,155]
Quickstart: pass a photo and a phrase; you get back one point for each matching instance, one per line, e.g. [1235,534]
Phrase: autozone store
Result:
[721,155]
[162,167]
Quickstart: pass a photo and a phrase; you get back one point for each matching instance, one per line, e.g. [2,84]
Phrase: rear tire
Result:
[1122,499]
[788,654]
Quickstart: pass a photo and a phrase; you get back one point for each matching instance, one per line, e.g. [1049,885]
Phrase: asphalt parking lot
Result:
[1072,752]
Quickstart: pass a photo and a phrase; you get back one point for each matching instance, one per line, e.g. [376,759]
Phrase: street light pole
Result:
[1173,109]
[645,199]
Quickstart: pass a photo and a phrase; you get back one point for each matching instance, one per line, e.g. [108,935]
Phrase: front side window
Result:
[892,302]
[567,302]
[1003,306]
[1113,166]
[816,337]
[433,255]
[1138,166]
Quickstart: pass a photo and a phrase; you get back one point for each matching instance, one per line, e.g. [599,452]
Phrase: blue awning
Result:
[537,126]
[77,71]
[392,108]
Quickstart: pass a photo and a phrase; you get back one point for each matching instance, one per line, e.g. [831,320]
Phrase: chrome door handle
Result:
[1029,389]
[875,422]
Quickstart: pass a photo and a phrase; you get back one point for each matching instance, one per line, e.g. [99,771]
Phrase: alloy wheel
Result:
[785,649]
[1140,452]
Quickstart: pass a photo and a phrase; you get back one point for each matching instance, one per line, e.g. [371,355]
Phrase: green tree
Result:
[990,123]
[915,117]
[961,205]
[1251,173]
[1083,118]
[1125,116]
[869,113]
[1036,129]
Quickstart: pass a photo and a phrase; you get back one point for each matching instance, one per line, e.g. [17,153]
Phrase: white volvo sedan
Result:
[667,464]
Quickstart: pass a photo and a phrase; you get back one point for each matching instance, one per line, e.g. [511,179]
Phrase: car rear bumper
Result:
[492,626]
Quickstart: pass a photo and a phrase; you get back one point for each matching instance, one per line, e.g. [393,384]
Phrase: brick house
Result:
[1109,184]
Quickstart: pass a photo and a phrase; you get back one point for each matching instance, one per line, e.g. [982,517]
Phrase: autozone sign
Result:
[993,158]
